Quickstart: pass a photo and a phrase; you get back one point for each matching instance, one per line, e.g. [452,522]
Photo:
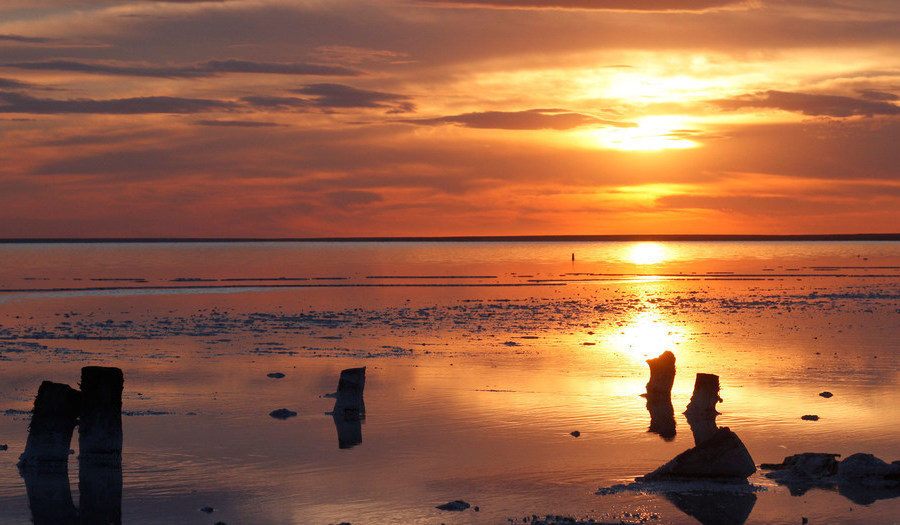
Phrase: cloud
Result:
[351,198]
[205,69]
[341,96]
[870,94]
[25,39]
[18,103]
[809,104]
[8,83]
[237,123]
[611,5]
[274,102]
[531,119]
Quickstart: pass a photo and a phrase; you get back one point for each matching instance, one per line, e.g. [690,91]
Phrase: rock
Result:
[806,465]
[867,469]
[282,413]
[458,505]
[275,375]
[4,447]
[208,510]
[721,457]
[575,433]
[826,394]
[810,417]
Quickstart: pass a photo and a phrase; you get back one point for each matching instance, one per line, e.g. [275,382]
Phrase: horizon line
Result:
[471,238]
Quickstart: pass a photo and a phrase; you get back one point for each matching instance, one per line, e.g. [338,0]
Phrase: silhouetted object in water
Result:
[662,374]
[100,429]
[861,478]
[56,410]
[701,411]
[721,457]
[44,465]
[349,408]
[659,395]
[716,507]
[705,396]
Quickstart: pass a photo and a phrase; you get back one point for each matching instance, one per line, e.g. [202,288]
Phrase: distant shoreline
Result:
[486,238]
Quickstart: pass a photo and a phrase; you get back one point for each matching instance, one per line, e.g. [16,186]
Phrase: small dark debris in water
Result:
[220,523]
[810,417]
[208,510]
[282,413]
[511,343]
[826,394]
[476,509]
[575,433]
[804,521]
[588,343]
[4,447]
[458,505]
[275,375]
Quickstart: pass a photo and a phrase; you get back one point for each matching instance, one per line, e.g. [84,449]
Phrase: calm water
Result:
[481,359]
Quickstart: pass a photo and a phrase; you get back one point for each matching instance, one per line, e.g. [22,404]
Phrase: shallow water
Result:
[481,359]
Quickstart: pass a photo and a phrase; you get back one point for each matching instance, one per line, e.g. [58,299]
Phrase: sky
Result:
[322,118]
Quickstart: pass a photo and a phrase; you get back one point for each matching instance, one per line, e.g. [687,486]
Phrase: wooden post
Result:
[349,407]
[100,431]
[56,409]
[705,396]
[662,374]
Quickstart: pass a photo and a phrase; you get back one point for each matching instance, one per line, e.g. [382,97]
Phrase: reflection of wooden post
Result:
[100,431]
[662,374]
[705,396]
[49,497]
[100,491]
[52,423]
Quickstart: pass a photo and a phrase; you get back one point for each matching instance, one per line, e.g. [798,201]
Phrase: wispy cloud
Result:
[811,104]
[341,96]
[532,119]
[614,5]
[205,69]
[19,103]
[237,123]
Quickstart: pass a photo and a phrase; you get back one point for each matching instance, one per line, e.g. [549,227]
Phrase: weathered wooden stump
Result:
[349,407]
[705,396]
[100,429]
[53,420]
[662,374]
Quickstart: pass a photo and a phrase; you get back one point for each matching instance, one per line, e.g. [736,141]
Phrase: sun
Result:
[651,134]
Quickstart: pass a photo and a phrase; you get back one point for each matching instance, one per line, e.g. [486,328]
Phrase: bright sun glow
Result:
[646,335]
[647,253]
[651,134]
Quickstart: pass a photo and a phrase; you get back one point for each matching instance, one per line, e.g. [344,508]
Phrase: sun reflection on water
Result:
[647,253]
[644,335]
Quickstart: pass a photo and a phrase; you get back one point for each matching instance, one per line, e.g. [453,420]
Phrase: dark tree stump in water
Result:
[349,407]
[705,396]
[662,374]
[56,410]
[100,431]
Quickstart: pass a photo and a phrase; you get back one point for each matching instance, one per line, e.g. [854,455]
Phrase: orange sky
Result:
[307,118]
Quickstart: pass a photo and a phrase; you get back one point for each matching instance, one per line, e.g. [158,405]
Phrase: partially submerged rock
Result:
[275,375]
[282,413]
[861,478]
[722,457]
[457,505]
[826,394]
[810,417]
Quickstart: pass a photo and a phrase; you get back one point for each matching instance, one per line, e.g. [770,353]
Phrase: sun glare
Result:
[647,253]
[644,336]
[650,134]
